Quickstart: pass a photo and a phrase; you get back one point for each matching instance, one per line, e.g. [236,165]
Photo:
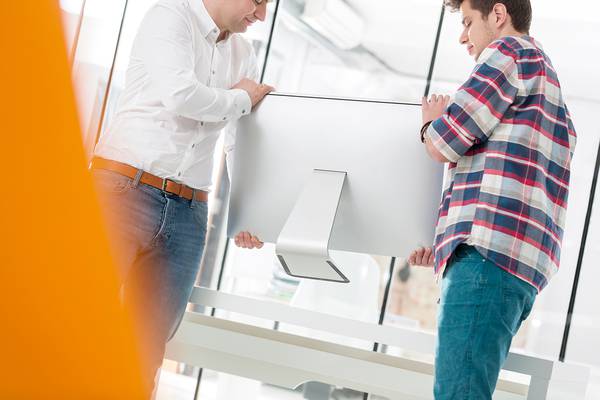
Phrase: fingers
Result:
[261,91]
[247,241]
[436,99]
[237,240]
[422,256]
[433,107]
[412,258]
[416,256]
[265,89]
[446,100]
[426,256]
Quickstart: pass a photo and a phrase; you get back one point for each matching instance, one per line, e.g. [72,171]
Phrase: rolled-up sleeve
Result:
[479,105]
[165,48]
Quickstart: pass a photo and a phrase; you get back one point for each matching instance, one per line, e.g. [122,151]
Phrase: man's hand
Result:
[422,256]
[247,241]
[255,90]
[433,108]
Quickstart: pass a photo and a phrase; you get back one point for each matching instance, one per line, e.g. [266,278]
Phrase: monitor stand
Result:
[302,245]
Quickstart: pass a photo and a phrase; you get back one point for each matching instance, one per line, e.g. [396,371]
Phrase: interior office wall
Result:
[392,60]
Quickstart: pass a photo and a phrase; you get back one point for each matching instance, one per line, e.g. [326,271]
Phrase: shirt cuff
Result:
[449,143]
[241,102]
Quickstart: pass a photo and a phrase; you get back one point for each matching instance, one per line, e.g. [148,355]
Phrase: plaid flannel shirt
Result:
[510,140]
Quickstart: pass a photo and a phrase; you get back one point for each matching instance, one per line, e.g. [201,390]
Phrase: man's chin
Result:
[242,28]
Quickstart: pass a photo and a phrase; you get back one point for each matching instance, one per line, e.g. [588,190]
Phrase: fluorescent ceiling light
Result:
[336,21]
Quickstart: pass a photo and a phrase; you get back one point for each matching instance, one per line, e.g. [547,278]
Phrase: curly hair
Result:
[519,10]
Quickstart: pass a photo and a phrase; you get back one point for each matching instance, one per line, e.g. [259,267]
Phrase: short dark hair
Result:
[519,10]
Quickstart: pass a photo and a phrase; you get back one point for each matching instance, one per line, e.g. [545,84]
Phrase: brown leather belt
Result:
[166,185]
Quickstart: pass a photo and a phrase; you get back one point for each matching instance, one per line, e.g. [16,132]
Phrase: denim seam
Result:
[163,222]
[477,312]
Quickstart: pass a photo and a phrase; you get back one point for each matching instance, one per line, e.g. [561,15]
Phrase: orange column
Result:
[63,333]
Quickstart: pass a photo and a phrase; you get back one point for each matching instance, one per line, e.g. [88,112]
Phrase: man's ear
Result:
[500,15]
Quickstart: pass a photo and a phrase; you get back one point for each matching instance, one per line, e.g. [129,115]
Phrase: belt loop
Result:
[137,178]
[192,200]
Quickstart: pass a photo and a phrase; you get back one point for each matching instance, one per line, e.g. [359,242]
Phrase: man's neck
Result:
[510,32]
[213,9]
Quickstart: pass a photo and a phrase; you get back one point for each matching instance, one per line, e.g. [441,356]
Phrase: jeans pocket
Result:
[111,182]
[519,298]
[468,256]
[200,212]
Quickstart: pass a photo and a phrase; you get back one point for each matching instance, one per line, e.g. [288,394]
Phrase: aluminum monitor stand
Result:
[303,244]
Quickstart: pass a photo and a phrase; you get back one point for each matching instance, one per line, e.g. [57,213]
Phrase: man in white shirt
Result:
[191,76]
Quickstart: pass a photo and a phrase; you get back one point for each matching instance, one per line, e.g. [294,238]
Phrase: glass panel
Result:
[412,304]
[584,337]
[93,60]
[354,48]
[70,12]
[452,63]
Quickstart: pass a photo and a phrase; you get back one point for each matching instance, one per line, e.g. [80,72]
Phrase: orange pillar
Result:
[63,333]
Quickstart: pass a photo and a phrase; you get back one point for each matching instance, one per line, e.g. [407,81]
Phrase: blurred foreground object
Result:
[64,332]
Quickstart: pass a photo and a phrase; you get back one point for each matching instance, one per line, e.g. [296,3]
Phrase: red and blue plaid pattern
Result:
[510,140]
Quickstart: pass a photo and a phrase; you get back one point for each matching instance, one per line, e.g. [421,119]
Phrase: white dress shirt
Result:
[177,100]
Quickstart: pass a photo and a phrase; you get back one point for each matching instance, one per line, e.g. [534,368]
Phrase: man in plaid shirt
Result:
[509,140]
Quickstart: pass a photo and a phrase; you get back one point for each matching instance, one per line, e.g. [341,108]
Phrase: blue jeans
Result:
[481,309]
[157,239]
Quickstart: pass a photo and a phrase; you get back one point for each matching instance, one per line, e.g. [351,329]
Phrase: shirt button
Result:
[243,111]
[194,145]
[201,123]
[224,118]
[179,174]
[213,72]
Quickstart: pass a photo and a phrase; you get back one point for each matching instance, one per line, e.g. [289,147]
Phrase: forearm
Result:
[433,152]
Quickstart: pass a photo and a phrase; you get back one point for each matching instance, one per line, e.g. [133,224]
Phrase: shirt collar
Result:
[534,41]
[208,28]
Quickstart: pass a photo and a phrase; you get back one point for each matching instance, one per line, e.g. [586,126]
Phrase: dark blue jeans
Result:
[158,240]
[481,309]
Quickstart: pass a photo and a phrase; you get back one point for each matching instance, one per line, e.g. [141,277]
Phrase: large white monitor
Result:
[313,174]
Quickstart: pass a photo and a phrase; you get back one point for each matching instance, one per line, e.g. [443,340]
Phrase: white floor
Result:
[217,386]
